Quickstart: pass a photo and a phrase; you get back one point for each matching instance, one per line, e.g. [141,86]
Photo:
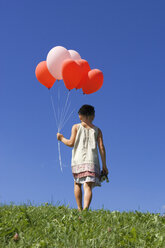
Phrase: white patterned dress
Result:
[85,160]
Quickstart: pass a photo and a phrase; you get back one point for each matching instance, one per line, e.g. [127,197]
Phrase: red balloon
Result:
[94,81]
[85,69]
[71,73]
[43,75]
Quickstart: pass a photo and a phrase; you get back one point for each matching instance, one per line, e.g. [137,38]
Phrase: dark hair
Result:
[87,110]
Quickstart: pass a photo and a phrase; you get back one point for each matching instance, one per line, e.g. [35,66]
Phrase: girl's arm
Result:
[102,151]
[68,142]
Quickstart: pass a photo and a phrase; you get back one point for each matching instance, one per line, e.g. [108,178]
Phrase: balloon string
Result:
[63,110]
[67,118]
[59,153]
[54,111]
[65,115]
[58,101]
[59,147]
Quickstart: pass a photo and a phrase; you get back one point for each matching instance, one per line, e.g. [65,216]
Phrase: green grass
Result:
[58,226]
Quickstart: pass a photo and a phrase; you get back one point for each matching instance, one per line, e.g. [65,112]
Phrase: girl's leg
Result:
[87,194]
[78,195]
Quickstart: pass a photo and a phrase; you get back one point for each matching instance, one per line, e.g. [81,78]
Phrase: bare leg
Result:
[87,194]
[78,195]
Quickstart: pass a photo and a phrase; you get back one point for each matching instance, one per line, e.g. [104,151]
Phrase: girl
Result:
[85,160]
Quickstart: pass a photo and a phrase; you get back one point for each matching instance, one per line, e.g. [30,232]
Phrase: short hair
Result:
[87,110]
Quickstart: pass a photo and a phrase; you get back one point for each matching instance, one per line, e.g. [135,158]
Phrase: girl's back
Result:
[85,146]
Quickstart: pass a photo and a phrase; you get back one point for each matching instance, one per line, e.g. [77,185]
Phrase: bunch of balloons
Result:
[68,65]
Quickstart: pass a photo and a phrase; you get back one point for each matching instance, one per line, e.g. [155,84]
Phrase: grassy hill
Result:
[58,226]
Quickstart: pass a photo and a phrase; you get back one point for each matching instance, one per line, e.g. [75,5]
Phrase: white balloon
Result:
[74,55]
[55,59]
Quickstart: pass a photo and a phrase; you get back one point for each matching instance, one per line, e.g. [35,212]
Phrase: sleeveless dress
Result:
[85,160]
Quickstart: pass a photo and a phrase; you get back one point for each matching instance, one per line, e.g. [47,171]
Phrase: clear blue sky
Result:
[124,39]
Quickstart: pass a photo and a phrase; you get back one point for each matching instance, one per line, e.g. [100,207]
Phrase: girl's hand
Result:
[59,136]
[105,169]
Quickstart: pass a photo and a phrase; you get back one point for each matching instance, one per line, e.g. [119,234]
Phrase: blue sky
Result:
[124,39]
